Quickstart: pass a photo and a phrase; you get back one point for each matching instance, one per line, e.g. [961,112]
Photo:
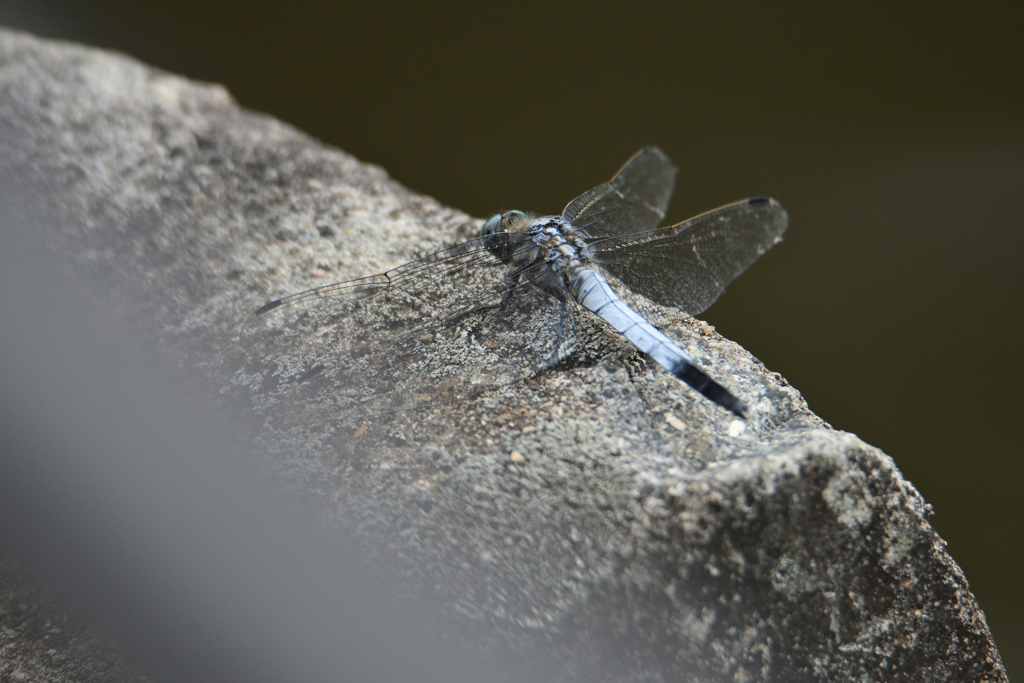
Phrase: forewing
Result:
[432,329]
[413,293]
[690,264]
[635,200]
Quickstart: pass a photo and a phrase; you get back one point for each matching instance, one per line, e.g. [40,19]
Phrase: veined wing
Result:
[635,200]
[459,276]
[690,264]
[430,330]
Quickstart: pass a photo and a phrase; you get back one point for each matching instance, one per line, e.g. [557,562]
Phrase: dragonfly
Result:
[492,310]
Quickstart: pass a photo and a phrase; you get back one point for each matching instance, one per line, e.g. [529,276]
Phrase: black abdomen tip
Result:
[709,388]
[269,306]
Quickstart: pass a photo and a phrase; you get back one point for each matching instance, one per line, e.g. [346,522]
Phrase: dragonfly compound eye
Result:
[490,225]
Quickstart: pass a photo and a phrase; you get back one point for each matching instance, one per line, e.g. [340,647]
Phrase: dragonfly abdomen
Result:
[594,293]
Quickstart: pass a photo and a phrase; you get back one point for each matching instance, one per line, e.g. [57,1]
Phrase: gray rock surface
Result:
[596,521]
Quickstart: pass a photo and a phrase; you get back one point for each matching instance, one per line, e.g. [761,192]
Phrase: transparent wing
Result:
[435,285]
[444,327]
[690,264]
[635,200]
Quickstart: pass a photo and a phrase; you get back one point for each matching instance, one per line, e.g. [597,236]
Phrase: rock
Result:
[596,521]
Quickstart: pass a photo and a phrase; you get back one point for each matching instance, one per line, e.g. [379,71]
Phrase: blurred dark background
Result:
[894,135]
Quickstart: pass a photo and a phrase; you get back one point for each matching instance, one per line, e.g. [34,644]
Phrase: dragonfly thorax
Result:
[560,245]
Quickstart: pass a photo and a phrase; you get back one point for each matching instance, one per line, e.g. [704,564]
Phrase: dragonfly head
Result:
[496,232]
